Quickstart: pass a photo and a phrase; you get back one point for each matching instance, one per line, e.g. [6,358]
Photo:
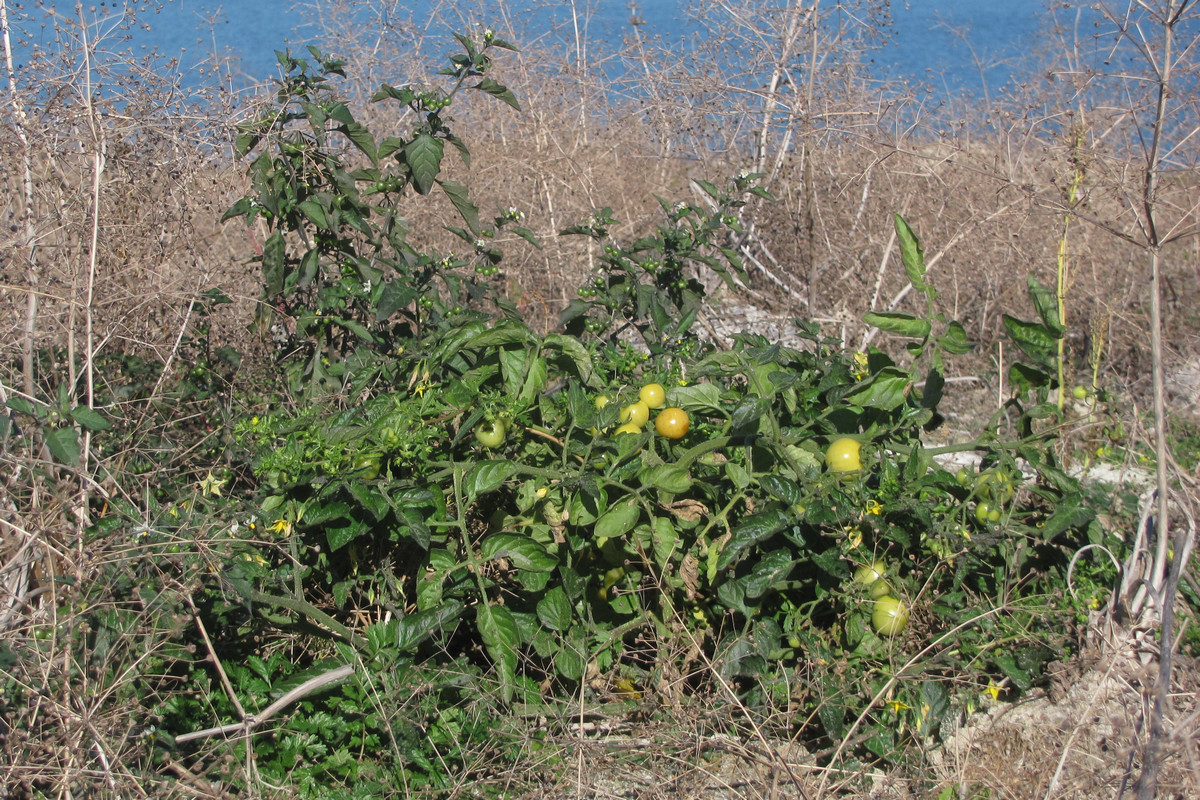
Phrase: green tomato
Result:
[987,514]
[366,467]
[1080,392]
[889,617]
[490,434]
[872,575]
[635,414]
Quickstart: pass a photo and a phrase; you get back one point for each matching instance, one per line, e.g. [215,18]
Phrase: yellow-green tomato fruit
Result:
[628,427]
[1080,392]
[490,434]
[672,423]
[872,575]
[601,401]
[653,395]
[889,617]
[635,413]
[844,455]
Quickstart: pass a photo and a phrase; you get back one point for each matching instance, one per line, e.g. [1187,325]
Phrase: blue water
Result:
[950,44]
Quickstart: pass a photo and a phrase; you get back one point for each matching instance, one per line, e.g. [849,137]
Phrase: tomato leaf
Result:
[1046,305]
[499,91]
[498,630]
[752,530]
[697,397]
[1034,339]
[885,390]
[618,520]
[488,476]
[781,488]
[898,323]
[524,553]
[955,340]
[415,628]
[911,255]
[666,478]
[554,610]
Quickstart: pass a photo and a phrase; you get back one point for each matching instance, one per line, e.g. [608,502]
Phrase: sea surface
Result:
[953,45]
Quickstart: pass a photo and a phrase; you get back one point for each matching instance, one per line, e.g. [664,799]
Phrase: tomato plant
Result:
[635,414]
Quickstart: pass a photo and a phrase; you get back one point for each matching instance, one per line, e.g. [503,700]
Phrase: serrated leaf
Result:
[554,609]
[898,323]
[1070,512]
[498,90]
[524,553]
[63,444]
[89,418]
[424,156]
[416,628]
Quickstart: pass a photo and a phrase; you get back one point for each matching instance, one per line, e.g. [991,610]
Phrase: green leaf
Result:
[369,497]
[1034,339]
[338,536]
[1018,676]
[395,295]
[911,254]
[554,610]
[363,140]
[781,488]
[697,397]
[415,628]
[498,90]
[618,520]
[955,340]
[523,552]
[315,214]
[89,418]
[1046,305]
[1023,378]
[898,323]
[21,405]
[272,264]
[487,476]
[885,390]
[462,201]
[424,156]
[748,413]
[64,445]
[935,702]
[666,478]
[752,530]
[498,630]
[1070,512]
[309,268]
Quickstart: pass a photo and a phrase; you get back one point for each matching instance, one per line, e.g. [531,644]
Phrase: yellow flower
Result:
[254,420]
[873,507]
[541,492]
[896,706]
[860,369]
[992,691]
[282,526]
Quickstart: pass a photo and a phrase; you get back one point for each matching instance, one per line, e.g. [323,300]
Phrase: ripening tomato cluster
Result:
[671,423]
